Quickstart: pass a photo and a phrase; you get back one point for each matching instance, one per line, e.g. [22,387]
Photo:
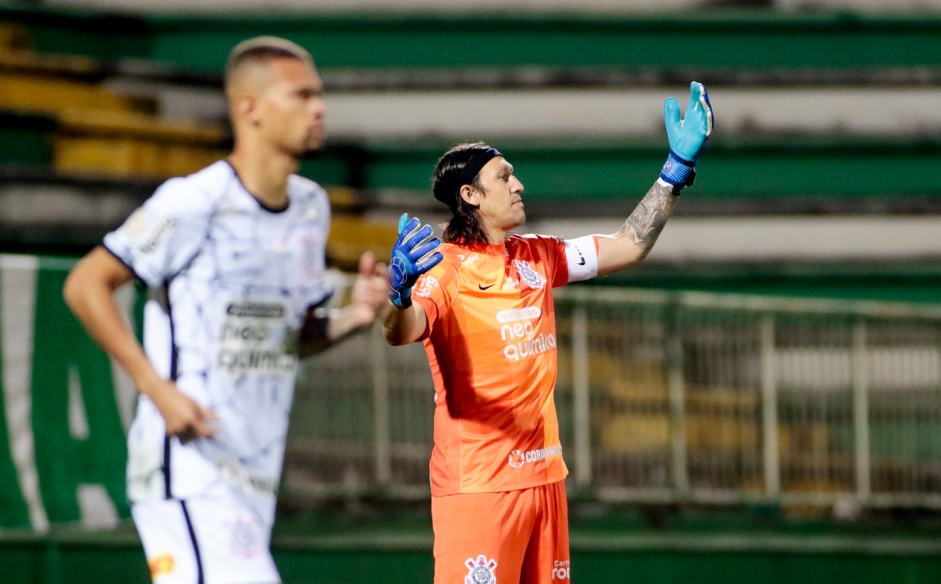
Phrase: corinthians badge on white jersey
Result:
[481,571]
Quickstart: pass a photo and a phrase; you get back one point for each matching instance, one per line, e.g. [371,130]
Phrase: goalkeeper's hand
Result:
[411,257]
[687,136]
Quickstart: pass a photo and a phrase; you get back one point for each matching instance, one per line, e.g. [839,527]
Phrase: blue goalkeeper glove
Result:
[411,259]
[687,136]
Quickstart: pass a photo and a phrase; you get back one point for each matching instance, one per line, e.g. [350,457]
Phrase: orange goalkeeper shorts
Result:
[510,537]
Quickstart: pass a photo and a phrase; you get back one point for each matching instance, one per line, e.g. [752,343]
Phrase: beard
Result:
[518,219]
[304,148]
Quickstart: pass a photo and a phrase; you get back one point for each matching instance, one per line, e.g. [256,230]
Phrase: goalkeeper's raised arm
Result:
[687,139]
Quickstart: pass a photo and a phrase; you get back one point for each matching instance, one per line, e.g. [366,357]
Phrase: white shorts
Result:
[205,540]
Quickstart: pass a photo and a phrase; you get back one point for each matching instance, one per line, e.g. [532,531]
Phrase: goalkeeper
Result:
[482,305]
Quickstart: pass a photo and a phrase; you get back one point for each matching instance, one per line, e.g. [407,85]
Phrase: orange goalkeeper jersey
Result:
[491,344]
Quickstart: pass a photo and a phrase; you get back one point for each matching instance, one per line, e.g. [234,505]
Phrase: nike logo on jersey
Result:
[487,287]
[581,258]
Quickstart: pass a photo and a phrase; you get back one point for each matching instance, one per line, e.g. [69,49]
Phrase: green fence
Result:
[678,396]
[669,397]
[65,410]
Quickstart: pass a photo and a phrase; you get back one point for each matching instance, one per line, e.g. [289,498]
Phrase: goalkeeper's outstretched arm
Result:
[687,139]
[636,237]
[404,325]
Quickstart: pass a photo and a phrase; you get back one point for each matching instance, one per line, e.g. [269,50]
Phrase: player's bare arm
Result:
[687,138]
[89,292]
[404,326]
[640,231]
[648,219]
[368,299]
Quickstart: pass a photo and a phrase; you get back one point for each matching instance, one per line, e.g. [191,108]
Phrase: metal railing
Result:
[668,397]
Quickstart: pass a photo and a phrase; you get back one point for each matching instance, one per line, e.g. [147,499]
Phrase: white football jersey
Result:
[229,284]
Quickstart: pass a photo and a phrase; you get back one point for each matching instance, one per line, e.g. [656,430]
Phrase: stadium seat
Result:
[352,234]
[133,145]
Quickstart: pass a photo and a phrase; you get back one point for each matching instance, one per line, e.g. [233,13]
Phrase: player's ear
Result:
[470,195]
[247,110]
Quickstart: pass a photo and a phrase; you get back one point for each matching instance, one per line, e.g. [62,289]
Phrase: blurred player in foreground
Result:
[483,309]
[234,259]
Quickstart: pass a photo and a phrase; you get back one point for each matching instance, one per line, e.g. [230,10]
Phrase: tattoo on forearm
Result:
[647,221]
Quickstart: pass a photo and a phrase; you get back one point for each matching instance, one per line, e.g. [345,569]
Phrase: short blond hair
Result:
[262,49]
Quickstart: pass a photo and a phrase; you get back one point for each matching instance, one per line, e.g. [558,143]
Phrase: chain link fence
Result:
[667,397]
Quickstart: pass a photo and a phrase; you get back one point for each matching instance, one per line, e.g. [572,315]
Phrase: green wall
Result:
[405,558]
[833,171]
[723,39]
[872,280]
[71,435]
